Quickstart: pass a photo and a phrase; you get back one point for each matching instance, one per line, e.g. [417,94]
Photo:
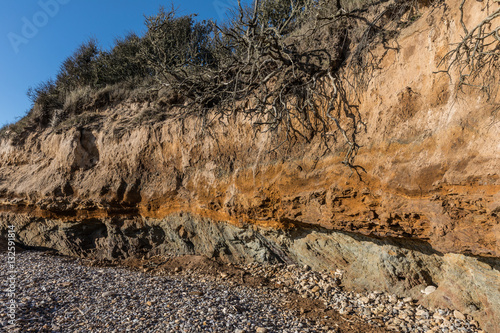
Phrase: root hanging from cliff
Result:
[289,77]
[476,57]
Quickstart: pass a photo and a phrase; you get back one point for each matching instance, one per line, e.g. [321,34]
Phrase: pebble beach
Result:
[62,294]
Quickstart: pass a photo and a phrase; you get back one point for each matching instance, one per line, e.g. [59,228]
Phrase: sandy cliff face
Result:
[426,209]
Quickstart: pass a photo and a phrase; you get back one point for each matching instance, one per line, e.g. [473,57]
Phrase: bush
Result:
[173,43]
[122,63]
[80,69]
[283,59]
[46,98]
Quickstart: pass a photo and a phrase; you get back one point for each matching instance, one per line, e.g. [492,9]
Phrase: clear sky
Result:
[37,35]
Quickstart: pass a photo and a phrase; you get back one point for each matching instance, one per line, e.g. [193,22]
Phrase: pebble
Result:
[364,300]
[60,295]
[429,290]
[459,315]
[116,299]
[108,294]
[401,314]
[422,313]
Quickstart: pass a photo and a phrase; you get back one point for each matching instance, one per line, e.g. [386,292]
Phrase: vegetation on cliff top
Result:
[280,63]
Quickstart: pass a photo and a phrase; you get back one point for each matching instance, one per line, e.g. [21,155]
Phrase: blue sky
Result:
[37,35]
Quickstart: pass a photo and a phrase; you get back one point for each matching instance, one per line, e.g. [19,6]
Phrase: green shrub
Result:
[275,55]
[80,69]
[122,63]
[176,42]
[46,98]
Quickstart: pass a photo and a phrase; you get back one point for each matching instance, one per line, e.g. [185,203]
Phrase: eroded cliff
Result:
[422,207]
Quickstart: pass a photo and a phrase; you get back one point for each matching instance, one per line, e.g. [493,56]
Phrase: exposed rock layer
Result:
[401,266]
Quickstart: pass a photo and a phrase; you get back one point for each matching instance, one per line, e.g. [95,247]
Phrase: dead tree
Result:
[259,68]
